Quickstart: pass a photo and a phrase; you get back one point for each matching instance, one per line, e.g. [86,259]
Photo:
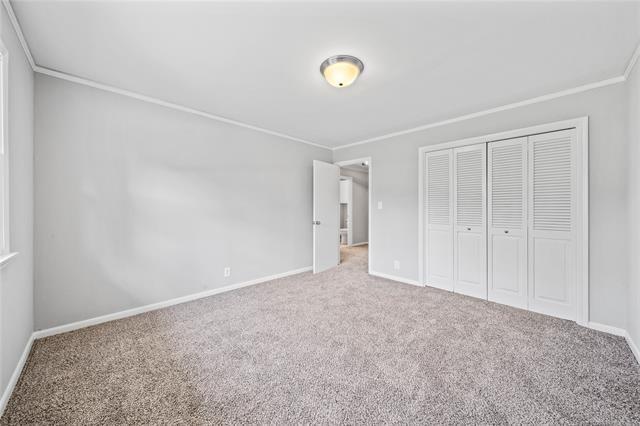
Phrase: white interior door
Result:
[507,222]
[326,216]
[470,225]
[439,220]
[552,247]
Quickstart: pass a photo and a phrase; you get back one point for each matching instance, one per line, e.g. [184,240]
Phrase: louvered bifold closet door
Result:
[507,222]
[552,212]
[470,226]
[439,212]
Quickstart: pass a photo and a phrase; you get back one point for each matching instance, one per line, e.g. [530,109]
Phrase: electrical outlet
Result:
[396,265]
[227,271]
[379,205]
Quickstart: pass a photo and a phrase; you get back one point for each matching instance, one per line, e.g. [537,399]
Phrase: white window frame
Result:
[5,247]
[582,198]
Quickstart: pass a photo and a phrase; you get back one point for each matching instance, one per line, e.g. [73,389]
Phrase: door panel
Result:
[439,219]
[507,266]
[326,216]
[507,222]
[470,260]
[551,272]
[440,259]
[470,247]
[552,249]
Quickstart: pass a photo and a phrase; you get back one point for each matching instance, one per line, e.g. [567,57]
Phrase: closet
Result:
[500,221]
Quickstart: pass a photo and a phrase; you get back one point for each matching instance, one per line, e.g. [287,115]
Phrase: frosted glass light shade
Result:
[342,70]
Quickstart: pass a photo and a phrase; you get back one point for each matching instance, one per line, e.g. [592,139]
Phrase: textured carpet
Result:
[338,347]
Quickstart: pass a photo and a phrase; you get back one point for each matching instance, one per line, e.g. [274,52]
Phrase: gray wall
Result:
[16,279]
[136,203]
[395,183]
[633,323]
[360,220]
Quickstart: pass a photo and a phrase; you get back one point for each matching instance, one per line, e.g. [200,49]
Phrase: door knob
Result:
[506,231]
[316,222]
[468,229]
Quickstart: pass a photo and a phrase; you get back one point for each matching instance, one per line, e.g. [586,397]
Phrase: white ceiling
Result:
[257,62]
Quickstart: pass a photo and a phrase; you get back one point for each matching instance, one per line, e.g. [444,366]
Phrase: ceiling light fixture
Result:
[341,70]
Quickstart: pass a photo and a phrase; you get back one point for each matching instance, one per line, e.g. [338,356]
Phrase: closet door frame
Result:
[582,198]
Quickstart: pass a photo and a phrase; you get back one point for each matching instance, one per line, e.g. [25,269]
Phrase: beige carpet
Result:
[338,347]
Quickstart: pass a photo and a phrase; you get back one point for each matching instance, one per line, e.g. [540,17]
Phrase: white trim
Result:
[123,314]
[5,234]
[591,86]
[134,95]
[632,62]
[39,334]
[616,331]
[16,375]
[364,243]
[421,213]
[150,99]
[607,329]
[6,259]
[582,240]
[18,30]
[633,346]
[395,278]
[507,107]
[509,134]
[543,98]
[582,236]
[154,306]
[370,195]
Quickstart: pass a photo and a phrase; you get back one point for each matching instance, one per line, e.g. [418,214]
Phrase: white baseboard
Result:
[16,375]
[395,278]
[135,311]
[146,308]
[633,346]
[359,244]
[123,314]
[607,329]
[618,332]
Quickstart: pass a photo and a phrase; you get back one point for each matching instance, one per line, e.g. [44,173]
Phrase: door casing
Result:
[581,125]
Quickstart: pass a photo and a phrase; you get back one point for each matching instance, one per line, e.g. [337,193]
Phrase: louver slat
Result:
[507,187]
[438,188]
[552,184]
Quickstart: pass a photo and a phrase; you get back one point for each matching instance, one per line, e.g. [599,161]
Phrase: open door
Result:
[326,216]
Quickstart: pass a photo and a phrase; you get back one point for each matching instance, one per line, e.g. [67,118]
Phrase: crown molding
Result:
[632,62]
[134,95]
[58,74]
[18,30]
[506,107]
[156,101]
[603,83]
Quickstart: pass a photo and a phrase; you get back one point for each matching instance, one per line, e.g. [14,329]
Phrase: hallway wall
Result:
[360,204]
